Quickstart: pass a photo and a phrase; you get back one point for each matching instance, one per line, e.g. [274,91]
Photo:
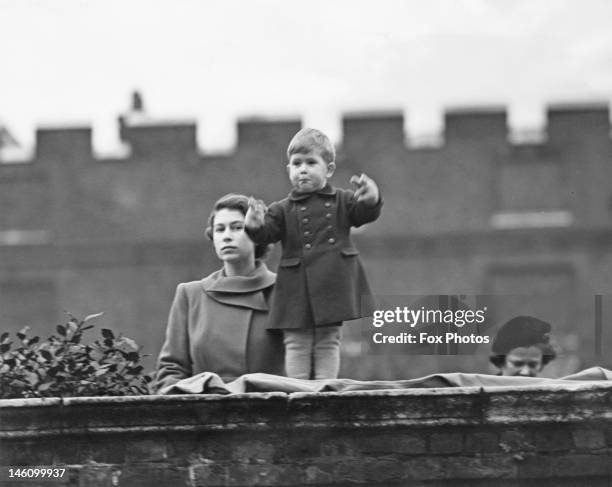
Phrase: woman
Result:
[219,324]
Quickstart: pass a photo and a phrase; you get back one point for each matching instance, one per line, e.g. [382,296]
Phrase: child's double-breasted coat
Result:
[320,278]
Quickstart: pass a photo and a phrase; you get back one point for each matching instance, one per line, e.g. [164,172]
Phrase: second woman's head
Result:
[226,230]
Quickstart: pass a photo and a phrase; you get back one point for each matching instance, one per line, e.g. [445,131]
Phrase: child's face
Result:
[308,171]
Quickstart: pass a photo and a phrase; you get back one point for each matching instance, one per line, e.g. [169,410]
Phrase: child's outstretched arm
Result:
[366,202]
[263,225]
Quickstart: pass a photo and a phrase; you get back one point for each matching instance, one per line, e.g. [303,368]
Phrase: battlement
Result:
[64,142]
[568,122]
[475,123]
[267,136]
[138,194]
[150,138]
[373,131]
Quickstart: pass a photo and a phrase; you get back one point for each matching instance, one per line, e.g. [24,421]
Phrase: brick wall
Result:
[164,187]
[118,234]
[545,436]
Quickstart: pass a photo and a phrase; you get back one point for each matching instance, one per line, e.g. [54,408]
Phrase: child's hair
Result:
[240,202]
[307,140]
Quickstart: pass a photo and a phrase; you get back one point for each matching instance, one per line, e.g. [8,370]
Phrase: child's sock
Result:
[298,353]
[327,352]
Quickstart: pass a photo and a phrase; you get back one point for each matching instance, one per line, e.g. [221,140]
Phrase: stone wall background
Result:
[477,213]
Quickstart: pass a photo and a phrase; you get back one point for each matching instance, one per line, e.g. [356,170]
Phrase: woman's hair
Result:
[238,202]
[522,331]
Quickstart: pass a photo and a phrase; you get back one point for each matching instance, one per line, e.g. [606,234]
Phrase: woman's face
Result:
[231,242]
[523,361]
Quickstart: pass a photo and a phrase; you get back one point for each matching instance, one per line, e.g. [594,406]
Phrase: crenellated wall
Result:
[474,173]
[476,214]
[537,435]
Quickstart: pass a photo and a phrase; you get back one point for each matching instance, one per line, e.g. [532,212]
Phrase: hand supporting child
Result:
[366,190]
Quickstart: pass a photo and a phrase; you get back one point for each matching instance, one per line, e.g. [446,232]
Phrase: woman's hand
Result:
[254,217]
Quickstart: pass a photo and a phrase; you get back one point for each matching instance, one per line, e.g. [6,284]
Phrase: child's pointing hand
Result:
[366,190]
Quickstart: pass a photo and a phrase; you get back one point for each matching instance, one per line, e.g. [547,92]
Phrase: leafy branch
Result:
[63,366]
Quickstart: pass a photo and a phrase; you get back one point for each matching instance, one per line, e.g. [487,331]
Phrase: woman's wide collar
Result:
[261,278]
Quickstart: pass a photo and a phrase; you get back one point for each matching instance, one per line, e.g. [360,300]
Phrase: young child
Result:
[320,280]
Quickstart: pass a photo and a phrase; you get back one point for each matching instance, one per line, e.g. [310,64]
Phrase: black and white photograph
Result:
[306,243]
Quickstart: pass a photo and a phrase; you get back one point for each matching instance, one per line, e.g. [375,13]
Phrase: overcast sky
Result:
[73,61]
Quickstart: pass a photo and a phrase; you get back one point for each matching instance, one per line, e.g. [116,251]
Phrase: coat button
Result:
[332,240]
[305,219]
[303,208]
[330,227]
[308,246]
[327,204]
[306,233]
[328,215]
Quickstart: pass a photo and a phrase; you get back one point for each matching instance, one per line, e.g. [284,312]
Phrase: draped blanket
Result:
[209,383]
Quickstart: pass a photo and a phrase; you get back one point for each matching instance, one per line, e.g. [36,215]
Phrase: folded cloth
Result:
[209,383]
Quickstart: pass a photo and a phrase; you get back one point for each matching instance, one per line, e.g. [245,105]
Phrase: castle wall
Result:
[85,234]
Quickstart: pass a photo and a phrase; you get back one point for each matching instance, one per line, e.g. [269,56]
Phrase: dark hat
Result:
[520,331]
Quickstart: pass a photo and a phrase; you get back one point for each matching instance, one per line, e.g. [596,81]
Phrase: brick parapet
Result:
[560,433]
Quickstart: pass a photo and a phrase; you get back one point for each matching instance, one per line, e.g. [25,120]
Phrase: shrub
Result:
[63,366]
